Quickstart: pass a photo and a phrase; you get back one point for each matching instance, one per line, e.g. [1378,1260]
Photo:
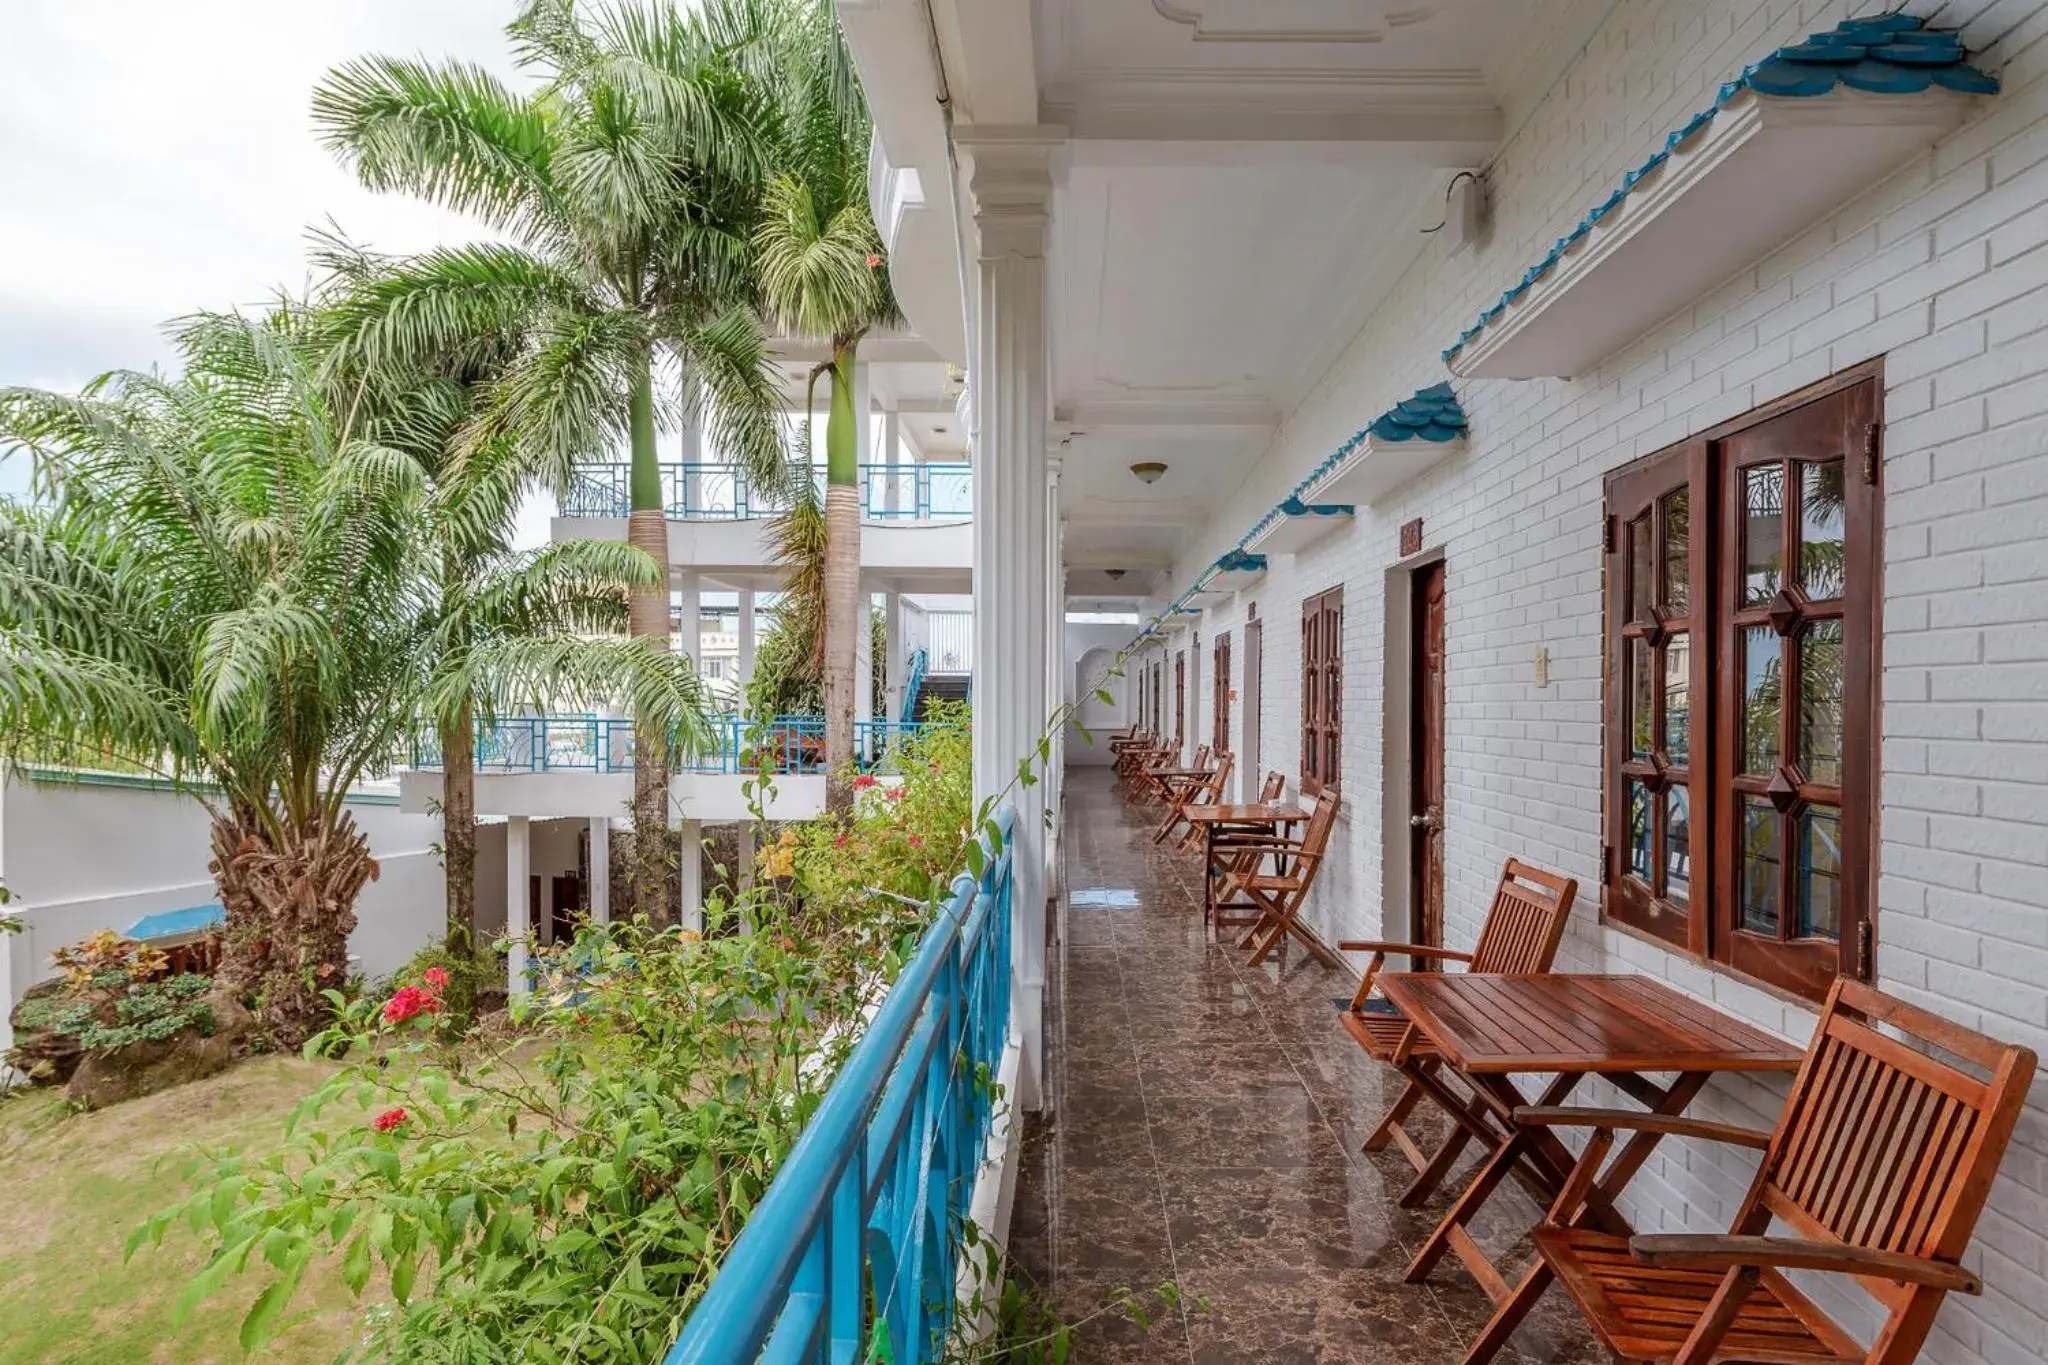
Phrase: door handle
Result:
[1426,820]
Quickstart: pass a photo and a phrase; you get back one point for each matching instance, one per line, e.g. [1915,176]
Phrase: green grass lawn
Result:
[73,1186]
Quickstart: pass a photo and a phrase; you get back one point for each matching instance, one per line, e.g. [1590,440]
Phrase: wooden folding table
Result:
[1258,817]
[1622,1028]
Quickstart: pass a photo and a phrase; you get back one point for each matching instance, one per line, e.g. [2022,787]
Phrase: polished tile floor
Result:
[1204,1129]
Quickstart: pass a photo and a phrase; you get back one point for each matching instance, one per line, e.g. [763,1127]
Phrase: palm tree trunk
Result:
[843,622]
[290,909]
[647,613]
[458,826]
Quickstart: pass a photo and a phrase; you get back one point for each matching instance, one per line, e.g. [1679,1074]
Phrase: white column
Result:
[864,409]
[864,670]
[600,869]
[690,608]
[893,666]
[746,856]
[1012,189]
[1057,683]
[892,456]
[745,664]
[690,877]
[691,451]
[518,911]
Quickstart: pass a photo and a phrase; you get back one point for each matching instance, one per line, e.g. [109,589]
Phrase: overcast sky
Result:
[159,157]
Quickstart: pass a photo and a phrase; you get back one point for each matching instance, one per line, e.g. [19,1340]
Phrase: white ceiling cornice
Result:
[1263,21]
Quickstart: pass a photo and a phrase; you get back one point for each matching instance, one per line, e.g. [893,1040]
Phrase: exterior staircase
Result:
[941,687]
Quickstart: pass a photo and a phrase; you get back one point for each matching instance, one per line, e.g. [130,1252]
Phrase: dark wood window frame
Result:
[1220,691]
[1322,691]
[1737,828]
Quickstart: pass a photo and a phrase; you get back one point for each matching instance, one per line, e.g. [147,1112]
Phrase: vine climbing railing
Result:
[853,1252]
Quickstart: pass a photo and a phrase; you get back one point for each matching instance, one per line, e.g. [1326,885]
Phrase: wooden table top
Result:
[1559,1022]
[1247,813]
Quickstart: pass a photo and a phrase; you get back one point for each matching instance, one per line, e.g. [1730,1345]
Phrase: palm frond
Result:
[453,134]
[728,360]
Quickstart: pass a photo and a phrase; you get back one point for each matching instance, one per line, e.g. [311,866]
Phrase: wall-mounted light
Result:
[1148,471]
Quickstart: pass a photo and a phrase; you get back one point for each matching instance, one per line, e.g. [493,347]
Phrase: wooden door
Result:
[1250,774]
[1426,765]
[1220,694]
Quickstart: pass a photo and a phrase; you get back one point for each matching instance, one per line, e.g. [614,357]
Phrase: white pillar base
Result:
[690,878]
[600,869]
[518,902]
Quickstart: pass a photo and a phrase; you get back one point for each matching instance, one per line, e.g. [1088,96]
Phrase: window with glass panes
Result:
[1742,633]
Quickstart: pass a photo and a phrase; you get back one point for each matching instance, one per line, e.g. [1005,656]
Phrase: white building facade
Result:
[1193,233]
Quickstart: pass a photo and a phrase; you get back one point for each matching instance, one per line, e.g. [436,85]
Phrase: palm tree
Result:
[223,584]
[628,183]
[568,597]
[823,277]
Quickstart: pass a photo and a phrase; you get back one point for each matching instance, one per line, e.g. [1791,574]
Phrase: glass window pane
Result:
[1640,849]
[1642,687]
[1640,582]
[1820,874]
[1822,566]
[1677,537]
[1763,667]
[1677,844]
[1820,702]
[1677,697]
[1759,866]
[1763,500]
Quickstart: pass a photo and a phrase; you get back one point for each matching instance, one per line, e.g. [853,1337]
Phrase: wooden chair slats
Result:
[1881,1163]
[1531,908]
[1276,877]
[1183,792]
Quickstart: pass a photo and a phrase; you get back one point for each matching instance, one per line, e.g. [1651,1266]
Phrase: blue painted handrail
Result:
[603,744]
[858,1235]
[698,491]
[920,664]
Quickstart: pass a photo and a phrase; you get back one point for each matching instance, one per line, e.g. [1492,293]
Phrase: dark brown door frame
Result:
[1426,754]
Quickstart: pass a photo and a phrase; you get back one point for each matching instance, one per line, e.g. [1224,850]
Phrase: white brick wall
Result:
[1943,269]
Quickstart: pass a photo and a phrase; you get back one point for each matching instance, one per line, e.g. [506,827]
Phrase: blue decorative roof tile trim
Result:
[1432,414]
[1295,507]
[1889,54]
[1241,561]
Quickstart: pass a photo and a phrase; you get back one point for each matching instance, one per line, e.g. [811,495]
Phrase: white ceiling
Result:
[1245,180]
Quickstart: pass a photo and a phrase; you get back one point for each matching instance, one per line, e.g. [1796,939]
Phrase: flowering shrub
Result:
[906,833]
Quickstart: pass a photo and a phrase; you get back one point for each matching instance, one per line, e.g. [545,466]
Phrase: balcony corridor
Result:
[1204,1128]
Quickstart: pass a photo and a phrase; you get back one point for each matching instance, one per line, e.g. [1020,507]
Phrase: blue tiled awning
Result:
[196,919]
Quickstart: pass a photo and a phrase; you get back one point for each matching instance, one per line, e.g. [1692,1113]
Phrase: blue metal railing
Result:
[920,664]
[859,1232]
[601,744]
[697,492]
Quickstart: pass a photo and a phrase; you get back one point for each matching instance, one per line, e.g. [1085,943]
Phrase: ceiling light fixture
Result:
[1114,575]
[1148,471]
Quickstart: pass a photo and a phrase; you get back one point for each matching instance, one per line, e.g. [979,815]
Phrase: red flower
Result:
[874,259]
[864,781]
[916,842]
[388,1120]
[839,842]
[896,793]
[437,980]
[408,1001]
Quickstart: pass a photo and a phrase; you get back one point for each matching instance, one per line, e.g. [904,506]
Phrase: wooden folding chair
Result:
[1523,928]
[1879,1167]
[1182,792]
[1155,775]
[1276,879]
